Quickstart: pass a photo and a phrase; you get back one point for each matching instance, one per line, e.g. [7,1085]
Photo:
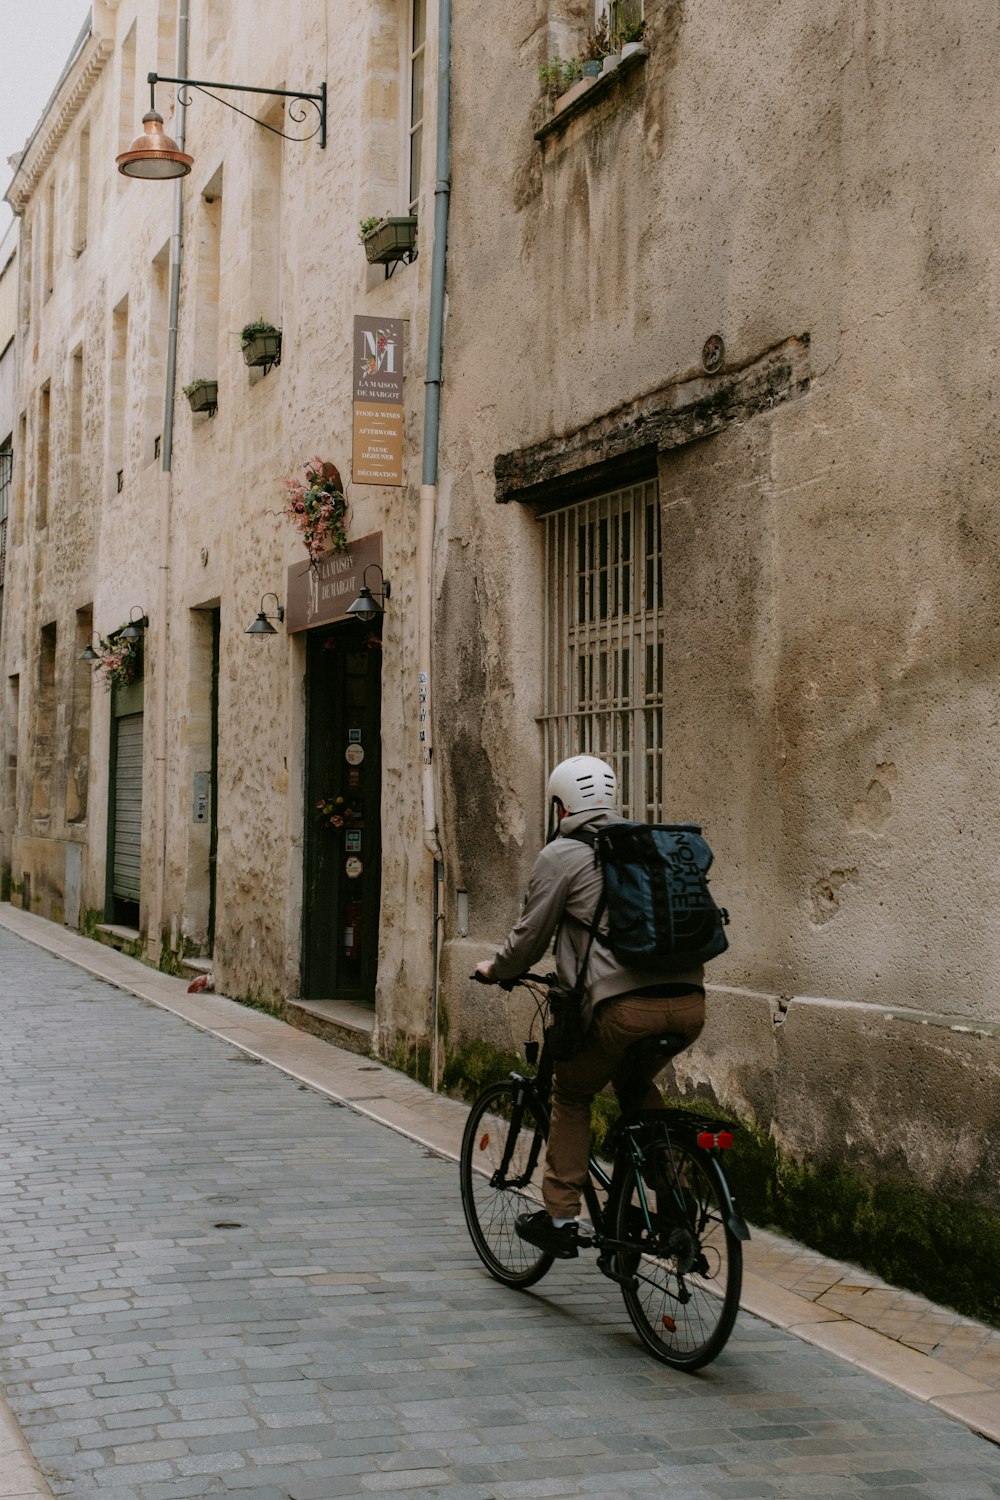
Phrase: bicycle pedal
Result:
[585,1241]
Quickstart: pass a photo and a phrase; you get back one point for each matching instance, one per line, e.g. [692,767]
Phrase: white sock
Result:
[561,1223]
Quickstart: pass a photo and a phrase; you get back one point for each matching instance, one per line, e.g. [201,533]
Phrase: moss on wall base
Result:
[269,1001]
[944,1249]
[411,1055]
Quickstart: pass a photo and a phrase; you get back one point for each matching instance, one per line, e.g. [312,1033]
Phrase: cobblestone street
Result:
[215,1280]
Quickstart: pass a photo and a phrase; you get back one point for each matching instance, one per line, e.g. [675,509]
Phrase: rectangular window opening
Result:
[6,484]
[603,663]
[48,269]
[42,456]
[418,48]
[117,392]
[81,217]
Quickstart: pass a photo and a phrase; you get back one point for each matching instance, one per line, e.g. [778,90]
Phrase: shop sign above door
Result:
[322,592]
[378,401]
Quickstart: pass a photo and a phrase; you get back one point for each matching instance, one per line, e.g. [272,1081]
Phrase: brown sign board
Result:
[378,401]
[321,593]
[378,443]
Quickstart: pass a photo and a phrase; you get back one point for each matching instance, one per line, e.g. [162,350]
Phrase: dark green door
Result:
[343,789]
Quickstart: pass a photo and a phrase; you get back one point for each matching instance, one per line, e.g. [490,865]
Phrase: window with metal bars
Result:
[603,667]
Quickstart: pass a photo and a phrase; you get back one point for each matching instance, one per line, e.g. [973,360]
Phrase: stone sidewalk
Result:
[949,1363]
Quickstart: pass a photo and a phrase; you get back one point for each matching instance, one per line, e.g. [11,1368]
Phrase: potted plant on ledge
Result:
[203,395]
[389,238]
[261,344]
[631,37]
[559,74]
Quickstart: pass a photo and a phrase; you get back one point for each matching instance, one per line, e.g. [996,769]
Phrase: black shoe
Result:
[538,1229]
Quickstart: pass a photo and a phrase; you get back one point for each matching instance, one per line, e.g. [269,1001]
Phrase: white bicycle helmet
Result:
[583,784]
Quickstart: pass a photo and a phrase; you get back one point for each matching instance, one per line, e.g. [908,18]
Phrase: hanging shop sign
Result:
[320,593]
[378,401]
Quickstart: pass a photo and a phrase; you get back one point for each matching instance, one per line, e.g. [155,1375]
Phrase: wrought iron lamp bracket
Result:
[297,108]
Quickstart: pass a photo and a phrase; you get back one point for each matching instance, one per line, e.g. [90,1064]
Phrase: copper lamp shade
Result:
[153,154]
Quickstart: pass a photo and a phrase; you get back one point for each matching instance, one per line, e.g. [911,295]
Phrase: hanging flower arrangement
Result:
[118,662]
[318,508]
[331,812]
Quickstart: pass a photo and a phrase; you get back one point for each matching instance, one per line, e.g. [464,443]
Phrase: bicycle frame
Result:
[629,1155]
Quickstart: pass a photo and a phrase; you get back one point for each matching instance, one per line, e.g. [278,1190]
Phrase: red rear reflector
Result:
[669,1324]
[709,1142]
[484,1141]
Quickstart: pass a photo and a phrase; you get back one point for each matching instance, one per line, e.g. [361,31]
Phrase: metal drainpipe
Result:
[428,500]
[163,593]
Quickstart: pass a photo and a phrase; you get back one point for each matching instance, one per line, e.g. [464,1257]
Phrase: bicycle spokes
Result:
[683,1290]
[501,1176]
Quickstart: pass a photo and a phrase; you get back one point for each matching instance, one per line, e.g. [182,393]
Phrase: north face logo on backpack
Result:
[660,914]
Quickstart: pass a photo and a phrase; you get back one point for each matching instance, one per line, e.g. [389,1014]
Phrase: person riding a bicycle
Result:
[619,1005]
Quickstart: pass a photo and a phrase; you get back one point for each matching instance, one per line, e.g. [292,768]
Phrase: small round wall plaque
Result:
[354,755]
[713,353]
[353,867]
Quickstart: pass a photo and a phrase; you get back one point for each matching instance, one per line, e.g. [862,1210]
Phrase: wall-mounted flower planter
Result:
[203,395]
[392,240]
[262,350]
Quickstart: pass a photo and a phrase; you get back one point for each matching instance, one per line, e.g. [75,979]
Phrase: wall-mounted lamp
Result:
[132,632]
[364,607]
[262,625]
[88,654]
[153,155]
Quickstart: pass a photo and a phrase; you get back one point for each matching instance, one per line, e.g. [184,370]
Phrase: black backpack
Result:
[660,914]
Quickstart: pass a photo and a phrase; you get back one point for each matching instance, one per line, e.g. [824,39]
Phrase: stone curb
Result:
[20,1478]
[435,1122]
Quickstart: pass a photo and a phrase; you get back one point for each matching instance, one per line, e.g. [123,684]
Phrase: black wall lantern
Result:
[364,607]
[132,632]
[262,625]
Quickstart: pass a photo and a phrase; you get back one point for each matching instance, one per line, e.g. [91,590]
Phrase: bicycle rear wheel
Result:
[501,1173]
[687,1264]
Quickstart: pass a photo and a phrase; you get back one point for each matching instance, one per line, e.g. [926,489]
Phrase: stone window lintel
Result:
[634,433]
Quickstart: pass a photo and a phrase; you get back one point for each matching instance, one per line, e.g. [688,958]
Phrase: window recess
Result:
[603,649]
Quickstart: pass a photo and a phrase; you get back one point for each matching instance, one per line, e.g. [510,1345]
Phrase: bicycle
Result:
[664,1221]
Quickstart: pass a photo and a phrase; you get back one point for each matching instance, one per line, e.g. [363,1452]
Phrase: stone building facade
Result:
[8,388]
[178,813]
[727,302]
[714,498]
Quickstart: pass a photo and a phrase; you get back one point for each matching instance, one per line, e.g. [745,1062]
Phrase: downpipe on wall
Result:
[428,509]
[154,937]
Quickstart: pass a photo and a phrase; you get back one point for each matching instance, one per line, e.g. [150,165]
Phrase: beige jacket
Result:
[566,883]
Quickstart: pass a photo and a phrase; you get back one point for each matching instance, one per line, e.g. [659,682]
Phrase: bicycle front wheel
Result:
[686,1265]
[501,1172]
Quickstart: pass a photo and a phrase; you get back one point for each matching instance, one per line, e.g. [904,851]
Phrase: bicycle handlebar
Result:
[508,984]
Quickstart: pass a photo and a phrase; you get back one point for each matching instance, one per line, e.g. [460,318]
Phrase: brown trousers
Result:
[616,1024]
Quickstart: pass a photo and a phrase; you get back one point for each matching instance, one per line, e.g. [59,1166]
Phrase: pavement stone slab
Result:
[343,1339]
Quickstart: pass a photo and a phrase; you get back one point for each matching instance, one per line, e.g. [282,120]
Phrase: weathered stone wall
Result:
[829,572]
[269,229]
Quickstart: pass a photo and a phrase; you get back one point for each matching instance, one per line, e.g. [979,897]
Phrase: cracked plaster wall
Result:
[830,566]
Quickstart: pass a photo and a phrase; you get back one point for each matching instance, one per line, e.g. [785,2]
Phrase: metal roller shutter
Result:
[128,807]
